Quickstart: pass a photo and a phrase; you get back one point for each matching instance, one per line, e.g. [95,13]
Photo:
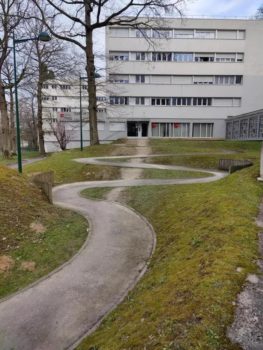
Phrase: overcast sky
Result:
[222,7]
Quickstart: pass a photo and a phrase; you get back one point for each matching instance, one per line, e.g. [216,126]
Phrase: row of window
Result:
[176,79]
[230,57]
[176,101]
[56,86]
[54,98]
[69,109]
[199,130]
[160,33]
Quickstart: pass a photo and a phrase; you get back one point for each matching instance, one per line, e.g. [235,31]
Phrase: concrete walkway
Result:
[56,312]
[26,162]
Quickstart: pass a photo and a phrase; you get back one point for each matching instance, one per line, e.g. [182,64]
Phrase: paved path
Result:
[26,162]
[56,312]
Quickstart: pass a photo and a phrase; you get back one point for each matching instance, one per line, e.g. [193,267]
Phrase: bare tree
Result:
[59,130]
[47,62]
[83,17]
[12,13]
[29,121]
[259,13]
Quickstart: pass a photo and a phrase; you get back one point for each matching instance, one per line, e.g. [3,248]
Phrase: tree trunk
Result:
[90,68]
[34,129]
[5,130]
[39,119]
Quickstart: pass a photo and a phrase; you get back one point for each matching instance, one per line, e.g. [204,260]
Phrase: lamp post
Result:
[80,108]
[43,36]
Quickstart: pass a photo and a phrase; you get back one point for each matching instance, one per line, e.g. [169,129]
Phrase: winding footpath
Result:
[56,312]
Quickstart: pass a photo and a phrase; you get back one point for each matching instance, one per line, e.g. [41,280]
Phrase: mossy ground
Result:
[204,233]
[22,204]
[25,155]
[67,170]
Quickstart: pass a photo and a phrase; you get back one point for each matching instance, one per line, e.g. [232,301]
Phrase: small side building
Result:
[248,126]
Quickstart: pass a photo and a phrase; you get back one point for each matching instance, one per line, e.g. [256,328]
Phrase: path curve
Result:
[56,312]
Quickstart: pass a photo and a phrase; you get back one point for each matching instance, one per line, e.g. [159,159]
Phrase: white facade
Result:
[61,101]
[186,78]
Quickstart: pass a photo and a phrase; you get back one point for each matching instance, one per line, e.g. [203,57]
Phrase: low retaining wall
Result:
[44,181]
[233,165]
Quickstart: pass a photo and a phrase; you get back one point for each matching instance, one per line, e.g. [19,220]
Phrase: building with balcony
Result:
[185,77]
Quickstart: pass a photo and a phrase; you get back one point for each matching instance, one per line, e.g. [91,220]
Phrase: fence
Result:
[233,165]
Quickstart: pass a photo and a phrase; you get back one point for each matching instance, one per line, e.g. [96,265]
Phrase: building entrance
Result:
[137,129]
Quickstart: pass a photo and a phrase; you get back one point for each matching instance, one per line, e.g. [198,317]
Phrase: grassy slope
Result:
[25,155]
[66,170]
[204,233]
[21,204]
[243,150]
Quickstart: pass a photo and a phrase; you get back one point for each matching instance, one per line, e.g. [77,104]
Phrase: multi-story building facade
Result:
[61,102]
[184,78]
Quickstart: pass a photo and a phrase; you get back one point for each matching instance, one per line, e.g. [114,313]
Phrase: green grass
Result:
[21,205]
[204,233]
[96,193]
[25,155]
[171,174]
[66,170]
[209,146]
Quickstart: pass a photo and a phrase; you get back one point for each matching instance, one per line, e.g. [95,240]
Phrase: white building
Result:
[61,101]
[186,78]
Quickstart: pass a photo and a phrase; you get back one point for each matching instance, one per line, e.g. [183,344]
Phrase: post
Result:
[18,140]
[80,115]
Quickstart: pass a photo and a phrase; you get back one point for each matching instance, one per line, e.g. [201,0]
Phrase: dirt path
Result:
[141,148]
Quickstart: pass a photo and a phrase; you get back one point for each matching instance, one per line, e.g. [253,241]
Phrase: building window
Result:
[139,100]
[204,57]
[161,34]
[45,86]
[101,98]
[225,57]
[205,34]
[54,98]
[142,33]
[120,79]
[54,86]
[175,129]
[239,79]
[119,100]
[45,98]
[162,56]
[202,101]
[119,56]
[119,32]
[54,109]
[183,33]
[182,101]
[240,57]
[65,109]
[140,79]
[84,87]
[203,80]
[65,87]
[183,57]
[158,101]
[203,130]
[225,80]
[140,56]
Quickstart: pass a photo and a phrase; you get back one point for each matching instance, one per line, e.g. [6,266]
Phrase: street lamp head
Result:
[44,36]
